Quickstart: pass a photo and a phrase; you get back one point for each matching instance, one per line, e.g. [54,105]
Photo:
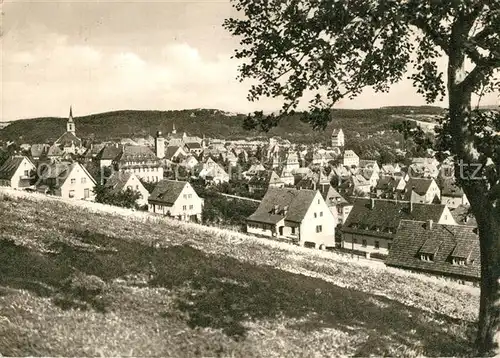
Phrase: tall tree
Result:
[332,49]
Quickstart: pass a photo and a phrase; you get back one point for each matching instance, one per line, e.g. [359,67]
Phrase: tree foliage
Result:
[124,198]
[327,50]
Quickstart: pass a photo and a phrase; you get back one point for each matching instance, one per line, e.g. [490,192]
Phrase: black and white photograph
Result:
[250,178]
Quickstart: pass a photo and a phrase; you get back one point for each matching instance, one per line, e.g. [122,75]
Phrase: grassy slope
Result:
[201,291]
[212,123]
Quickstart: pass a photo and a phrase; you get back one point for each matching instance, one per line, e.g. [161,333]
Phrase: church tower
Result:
[70,126]
[174,131]
[159,145]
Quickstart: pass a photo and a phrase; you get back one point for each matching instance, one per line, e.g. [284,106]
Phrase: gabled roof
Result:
[332,196]
[449,188]
[67,139]
[167,191]
[336,132]
[170,151]
[9,168]
[418,185]
[283,203]
[137,153]
[37,150]
[385,216]
[61,171]
[264,178]
[193,145]
[463,216]
[110,152]
[450,240]
[117,181]
[55,151]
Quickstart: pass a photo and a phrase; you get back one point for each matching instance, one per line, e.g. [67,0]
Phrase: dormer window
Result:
[459,261]
[427,257]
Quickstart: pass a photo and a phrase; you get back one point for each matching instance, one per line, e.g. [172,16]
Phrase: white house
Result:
[123,181]
[422,190]
[372,223]
[68,180]
[350,159]
[338,139]
[16,172]
[176,199]
[452,195]
[299,216]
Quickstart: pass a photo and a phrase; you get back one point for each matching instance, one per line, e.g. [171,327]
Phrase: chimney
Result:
[429,224]
[372,203]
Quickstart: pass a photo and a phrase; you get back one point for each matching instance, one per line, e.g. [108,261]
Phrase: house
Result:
[176,199]
[298,216]
[189,162]
[338,139]
[68,180]
[452,195]
[390,187]
[350,159]
[390,169]
[54,153]
[286,176]
[108,154]
[463,216]
[291,162]
[38,151]
[370,165]
[17,172]
[175,153]
[337,204]
[253,170]
[212,172]
[371,175]
[422,190]
[122,181]
[445,250]
[372,223]
[263,180]
[232,159]
[141,161]
[194,147]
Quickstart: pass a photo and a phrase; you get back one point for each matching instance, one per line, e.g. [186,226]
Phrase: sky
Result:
[113,55]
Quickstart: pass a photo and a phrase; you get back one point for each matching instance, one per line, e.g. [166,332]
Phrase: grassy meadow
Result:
[76,280]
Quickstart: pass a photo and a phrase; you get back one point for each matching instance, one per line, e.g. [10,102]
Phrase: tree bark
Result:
[485,208]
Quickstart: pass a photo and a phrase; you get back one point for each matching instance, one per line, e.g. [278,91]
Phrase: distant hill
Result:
[210,122]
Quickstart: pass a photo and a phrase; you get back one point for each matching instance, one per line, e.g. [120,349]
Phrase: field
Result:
[89,280]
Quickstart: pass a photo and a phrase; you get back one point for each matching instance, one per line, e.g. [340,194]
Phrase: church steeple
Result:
[70,126]
[174,131]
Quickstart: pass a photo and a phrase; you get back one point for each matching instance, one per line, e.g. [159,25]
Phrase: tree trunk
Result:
[486,209]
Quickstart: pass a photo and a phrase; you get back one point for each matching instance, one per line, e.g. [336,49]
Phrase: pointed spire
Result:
[70,113]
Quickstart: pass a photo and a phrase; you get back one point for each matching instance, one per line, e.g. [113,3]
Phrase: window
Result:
[320,214]
[363,243]
[293,231]
[184,207]
[377,245]
[73,181]
[427,257]
[318,201]
[26,173]
[319,228]
[315,215]
[184,196]
[71,193]
[459,261]
[190,196]
[83,180]
[190,207]
[86,193]
[137,187]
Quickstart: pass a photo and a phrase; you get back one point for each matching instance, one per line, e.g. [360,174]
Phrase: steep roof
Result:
[110,152]
[272,207]
[137,153]
[463,216]
[170,151]
[10,166]
[55,151]
[193,145]
[167,191]
[449,188]
[61,172]
[332,196]
[445,241]
[67,139]
[37,150]
[385,216]
[117,181]
[418,185]
[264,178]
[336,132]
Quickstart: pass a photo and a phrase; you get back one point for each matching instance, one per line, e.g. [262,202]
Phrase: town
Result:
[409,215]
